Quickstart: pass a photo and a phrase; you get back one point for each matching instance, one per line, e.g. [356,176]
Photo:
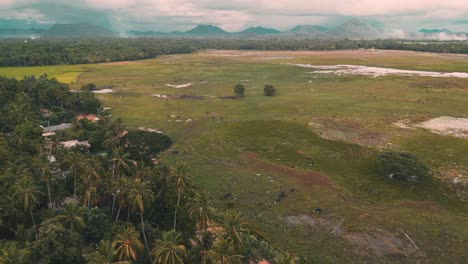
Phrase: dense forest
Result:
[98,192]
[82,51]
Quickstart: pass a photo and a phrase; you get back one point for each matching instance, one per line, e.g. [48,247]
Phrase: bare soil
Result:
[304,178]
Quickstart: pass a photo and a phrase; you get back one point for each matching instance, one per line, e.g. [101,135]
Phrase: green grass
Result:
[66,74]
[230,141]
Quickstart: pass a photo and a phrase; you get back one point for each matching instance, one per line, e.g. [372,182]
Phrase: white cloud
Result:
[236,14]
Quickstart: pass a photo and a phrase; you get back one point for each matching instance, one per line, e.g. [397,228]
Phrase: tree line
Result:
[113,203]
[42,52]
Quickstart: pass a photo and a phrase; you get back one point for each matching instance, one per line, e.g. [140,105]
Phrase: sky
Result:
[235,15]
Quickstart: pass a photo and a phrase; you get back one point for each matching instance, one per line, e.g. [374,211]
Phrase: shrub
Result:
[239,90]
[402,166]
[269,90]
[144,145]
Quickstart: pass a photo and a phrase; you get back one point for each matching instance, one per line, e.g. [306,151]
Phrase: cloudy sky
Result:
[232,15]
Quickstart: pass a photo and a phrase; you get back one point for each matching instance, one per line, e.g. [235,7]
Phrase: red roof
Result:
[92,118]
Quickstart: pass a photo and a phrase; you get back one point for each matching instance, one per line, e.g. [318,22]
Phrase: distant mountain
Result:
[206,30]
[260,31]
[21,33]
[307,29]
[435,31]
[355,28]
[81,30]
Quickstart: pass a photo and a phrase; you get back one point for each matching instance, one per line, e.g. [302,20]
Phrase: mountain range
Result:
[352,29]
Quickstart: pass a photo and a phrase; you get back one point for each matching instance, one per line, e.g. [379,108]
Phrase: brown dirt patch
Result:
[350,130]
[365,242]
[122,63]
[422,206]
[304,178]
[379,242]
[359,54]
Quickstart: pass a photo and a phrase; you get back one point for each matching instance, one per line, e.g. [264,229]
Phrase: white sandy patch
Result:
[179,86]
[343,69]
[152,130]
[447,125]
[104,91]
[161,96]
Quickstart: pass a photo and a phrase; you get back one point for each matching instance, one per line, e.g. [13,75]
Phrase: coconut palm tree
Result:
[121,162]
[138,194]
[114,134]
[91,179]
[201,245]
[43,165]
[121,194]
[169,249]
[105,253]
[180,173]
[75,163]
[224,252]
[61,93]
[128,243]
[11,174]
[10,208]
[27,192]
[163,176]
[200,209]
[89,195]
[72,217]
[234,227]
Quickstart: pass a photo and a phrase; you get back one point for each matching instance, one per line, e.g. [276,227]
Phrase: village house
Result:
[75,143]
[91,118]
[56,128]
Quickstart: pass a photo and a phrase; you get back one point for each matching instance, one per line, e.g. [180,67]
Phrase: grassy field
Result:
[64,73]
[316,141]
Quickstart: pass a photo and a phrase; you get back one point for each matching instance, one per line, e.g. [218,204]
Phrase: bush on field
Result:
[239,90]
[269,90]
[402,166]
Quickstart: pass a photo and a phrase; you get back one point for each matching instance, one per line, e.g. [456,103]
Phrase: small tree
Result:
[239,90]
[402,166]
[269,90]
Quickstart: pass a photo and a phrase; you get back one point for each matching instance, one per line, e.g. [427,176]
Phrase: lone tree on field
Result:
[402,166]
[239,90]
[269,90]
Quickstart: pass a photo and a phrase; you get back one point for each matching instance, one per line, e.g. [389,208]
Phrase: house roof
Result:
[74,143]
[48,134]
[56,128]
[92,118]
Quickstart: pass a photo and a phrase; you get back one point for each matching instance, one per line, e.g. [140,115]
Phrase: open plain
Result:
[313,145]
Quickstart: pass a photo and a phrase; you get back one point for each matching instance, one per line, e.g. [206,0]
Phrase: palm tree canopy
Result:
[180,171]
[105,253]
[128,243]
[28,193]
[234,227]
[169,249]
[200,209]
[72,217]
[224,252]
[139,193]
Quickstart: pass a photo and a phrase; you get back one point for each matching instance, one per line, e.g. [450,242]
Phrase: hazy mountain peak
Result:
[206,30]
[435,31]
[260,31]
[78,30]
